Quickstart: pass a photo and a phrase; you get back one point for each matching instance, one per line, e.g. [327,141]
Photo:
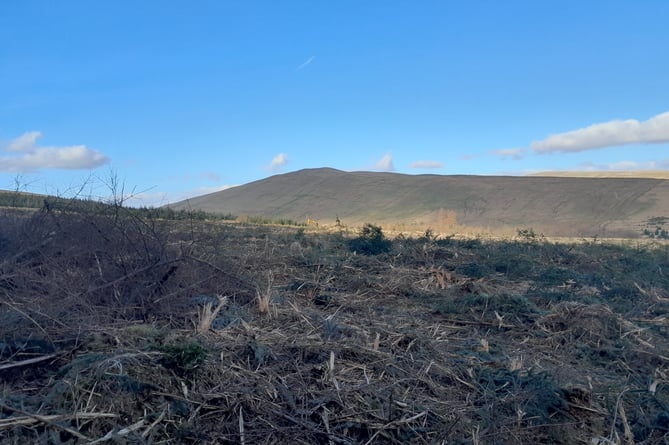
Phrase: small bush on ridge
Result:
[371,241]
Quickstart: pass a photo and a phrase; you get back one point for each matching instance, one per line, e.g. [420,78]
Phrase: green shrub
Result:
[529,234]
[371,241]
[184,358]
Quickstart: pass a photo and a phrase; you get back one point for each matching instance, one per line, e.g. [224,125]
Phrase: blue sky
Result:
[181,98]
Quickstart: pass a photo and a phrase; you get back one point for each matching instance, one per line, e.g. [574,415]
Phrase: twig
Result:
[478,323]
[242,440]
[132,274]
[395,423]
[331,437]
[28,317]
[31,419]
[325,416]
[629,435]
[155,422]
[232,277]
[29,361]
[585,408]
[615,413]
[120,433]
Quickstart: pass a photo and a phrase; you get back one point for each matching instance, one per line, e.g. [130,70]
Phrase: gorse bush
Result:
[371,241]
[529,234]
[658,233]
[183,358]
[269,221]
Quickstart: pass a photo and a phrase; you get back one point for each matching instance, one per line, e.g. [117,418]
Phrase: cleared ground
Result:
[116,328]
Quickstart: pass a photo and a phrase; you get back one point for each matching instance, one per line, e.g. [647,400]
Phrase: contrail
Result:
[304,65]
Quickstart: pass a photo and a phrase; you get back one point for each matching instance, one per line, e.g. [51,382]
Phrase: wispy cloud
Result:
[426,164]
[385,164]
[509,153]
[306,63]
[206,190]
[467,157]
[24,155]
[626,166]
[210,176]
[278,162]
[608,134]
[157,199]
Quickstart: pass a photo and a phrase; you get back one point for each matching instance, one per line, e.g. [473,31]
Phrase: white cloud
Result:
[613,133]
[513,153]
[278,162]
[305,64]
[385,164]
[24,143]
[627,166]
[24,155]
[426,164]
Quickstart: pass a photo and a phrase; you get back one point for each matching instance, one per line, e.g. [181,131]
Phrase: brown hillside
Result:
[559,206]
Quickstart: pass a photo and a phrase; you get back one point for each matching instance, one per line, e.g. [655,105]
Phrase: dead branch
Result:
[29,361]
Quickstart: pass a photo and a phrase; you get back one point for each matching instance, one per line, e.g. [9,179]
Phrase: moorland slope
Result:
[551,204]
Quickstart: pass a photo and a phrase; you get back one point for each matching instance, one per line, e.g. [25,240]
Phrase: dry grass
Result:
[438,341]
[264,294]
[207,314]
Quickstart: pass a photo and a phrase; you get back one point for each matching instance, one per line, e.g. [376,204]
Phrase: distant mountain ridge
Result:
[553,205]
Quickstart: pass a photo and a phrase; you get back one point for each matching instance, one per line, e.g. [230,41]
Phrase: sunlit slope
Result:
[652,174]
[568,206]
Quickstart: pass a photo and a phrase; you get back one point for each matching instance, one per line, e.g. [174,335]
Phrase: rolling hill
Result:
[553,205]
